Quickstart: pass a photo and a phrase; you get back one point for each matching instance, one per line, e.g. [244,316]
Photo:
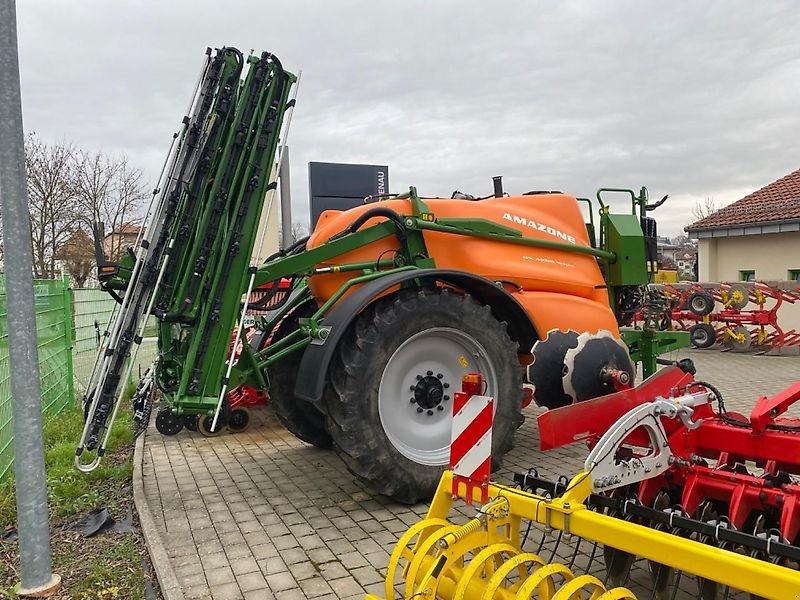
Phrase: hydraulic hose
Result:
[378,211]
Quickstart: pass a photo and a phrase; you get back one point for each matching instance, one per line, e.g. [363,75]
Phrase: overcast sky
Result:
[689,98]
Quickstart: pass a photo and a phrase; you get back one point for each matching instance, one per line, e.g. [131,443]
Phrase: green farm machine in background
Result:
[372,320]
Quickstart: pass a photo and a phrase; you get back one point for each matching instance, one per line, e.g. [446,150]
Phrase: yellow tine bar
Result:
[741,572]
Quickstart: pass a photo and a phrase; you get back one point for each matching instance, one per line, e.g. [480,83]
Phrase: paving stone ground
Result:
[261,515]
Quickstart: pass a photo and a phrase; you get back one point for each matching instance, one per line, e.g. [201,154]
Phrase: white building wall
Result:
[770,255]
[269,221]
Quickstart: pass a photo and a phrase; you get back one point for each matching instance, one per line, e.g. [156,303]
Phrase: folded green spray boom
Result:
[192,260]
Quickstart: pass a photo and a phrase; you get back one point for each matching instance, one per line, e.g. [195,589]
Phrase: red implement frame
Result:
[761,322]
[712,459]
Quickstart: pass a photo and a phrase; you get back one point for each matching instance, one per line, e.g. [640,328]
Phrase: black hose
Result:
[289,250]
[378,211]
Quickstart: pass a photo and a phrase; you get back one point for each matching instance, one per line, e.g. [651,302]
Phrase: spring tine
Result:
[591,557]
[541,543]
[628,574]
[652,595]
[607,576]
[527,533]
[678,577]
[555,546]
[575,553]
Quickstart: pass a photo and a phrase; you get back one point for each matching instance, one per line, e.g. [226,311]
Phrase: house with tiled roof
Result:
[755,238]
[124,236]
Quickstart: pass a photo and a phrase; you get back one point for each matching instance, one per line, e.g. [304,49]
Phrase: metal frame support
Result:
[32,513]
[286,200]
[646,345]
[568,512]
[68,339]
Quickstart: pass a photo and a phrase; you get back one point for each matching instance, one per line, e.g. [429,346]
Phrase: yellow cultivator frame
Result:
[483,558]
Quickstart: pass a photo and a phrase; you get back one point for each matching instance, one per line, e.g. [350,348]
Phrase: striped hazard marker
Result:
[471,440]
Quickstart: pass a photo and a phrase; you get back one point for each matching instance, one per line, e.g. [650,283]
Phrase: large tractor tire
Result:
[302,419]
[393,379]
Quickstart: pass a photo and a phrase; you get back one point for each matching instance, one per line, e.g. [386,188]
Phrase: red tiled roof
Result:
[127,228]
[779,201]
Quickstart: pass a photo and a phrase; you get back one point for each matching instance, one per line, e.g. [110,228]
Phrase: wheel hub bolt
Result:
[440,407]
[428,392]
[439,375]
[413,387]
[446,385]
[430,413]
[419,409]
[445,398]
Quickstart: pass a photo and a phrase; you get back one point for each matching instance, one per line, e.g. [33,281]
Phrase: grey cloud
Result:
[690,98]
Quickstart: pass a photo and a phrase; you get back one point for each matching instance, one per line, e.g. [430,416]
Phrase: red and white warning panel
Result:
[471,441]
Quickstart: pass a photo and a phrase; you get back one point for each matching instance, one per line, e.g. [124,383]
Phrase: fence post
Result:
[32,518]
[68,340]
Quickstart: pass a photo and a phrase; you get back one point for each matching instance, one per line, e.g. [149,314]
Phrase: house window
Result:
[794,274]
[747,275]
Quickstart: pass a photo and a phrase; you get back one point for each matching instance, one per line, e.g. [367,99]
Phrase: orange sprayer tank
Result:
[558,289]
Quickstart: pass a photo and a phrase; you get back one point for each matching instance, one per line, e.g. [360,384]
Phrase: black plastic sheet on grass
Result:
[100,521]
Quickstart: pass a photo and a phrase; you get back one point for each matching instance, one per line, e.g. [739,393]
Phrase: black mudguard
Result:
[317,357]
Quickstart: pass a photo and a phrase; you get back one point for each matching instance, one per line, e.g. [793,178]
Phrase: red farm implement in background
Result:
[677,448]
[740,316]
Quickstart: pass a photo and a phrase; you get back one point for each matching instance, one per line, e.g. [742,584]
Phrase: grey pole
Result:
[32,514]
[286,201]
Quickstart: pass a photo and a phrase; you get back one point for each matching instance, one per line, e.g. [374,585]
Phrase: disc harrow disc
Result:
[586,365]
[740,339]
[546,371]
[661,576]
[738,296]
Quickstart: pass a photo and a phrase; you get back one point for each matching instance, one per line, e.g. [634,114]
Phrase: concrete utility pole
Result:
[32,516]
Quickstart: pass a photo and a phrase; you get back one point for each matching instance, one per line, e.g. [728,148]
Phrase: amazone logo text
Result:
[539,226]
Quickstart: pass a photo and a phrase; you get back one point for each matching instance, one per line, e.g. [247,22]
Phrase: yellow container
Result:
[665,276]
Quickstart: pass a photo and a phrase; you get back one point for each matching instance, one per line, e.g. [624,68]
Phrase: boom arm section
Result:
[190,264]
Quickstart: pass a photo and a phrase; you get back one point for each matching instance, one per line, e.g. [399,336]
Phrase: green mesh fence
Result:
[54,339]
[69,328]
[92,309]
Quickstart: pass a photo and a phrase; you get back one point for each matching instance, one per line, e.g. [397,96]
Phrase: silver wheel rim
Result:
[699,304]
[442,354]
[700,336]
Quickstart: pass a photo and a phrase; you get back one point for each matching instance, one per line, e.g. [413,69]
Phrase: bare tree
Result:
[706,207]
[69,190]
[77,256]
[298,231]
[51,199]
[683,241]
[110,192]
